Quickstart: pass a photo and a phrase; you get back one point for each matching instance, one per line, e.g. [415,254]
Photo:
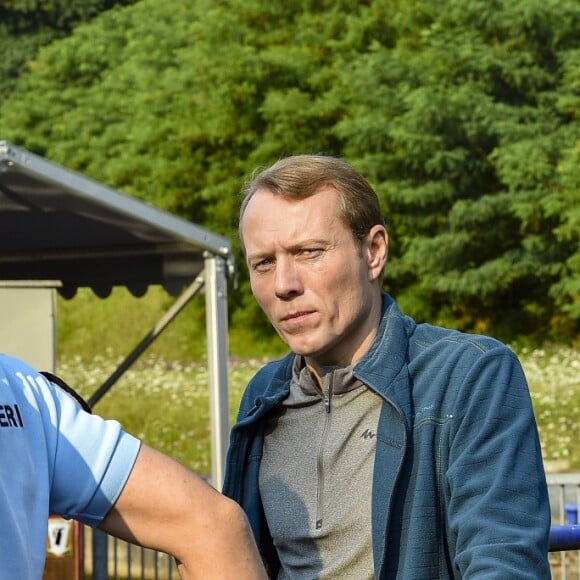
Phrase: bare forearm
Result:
[166,507]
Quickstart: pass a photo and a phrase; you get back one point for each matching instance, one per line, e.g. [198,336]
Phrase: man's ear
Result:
[377,248]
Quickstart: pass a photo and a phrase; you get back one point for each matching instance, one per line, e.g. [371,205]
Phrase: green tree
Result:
[462,115]
[26,25]
[464,121]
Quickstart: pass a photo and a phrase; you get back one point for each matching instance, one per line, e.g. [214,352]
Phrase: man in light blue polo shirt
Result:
[59,459]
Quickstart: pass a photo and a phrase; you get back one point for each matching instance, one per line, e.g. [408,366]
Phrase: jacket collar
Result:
[383,368]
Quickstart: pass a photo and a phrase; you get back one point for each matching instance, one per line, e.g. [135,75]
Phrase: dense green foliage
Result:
[26,25]
[463,115]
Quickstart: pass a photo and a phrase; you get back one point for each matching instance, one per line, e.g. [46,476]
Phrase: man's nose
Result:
[287,282]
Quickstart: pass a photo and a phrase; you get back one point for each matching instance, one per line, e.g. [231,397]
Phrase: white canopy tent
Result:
[64,229]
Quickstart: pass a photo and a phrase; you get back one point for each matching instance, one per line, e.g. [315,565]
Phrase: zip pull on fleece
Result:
[327,383]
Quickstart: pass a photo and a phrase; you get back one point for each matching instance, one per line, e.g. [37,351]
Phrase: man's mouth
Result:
[294,316]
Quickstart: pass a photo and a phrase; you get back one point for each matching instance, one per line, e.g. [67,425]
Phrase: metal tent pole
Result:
[217,358]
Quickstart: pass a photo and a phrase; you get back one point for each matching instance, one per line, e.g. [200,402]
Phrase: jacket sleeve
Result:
[498,513]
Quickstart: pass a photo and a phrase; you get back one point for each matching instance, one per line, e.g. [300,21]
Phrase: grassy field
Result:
[166,403]
[554,379]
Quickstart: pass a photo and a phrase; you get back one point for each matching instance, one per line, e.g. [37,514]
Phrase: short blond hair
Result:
[301,176]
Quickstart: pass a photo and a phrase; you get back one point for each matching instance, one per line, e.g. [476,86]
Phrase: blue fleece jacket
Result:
[459,489]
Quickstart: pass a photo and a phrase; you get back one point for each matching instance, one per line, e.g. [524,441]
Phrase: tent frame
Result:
[60,226]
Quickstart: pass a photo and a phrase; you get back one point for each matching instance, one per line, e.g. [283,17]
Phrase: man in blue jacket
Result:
[379,447]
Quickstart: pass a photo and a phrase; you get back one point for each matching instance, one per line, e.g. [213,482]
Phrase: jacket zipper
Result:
[327,391]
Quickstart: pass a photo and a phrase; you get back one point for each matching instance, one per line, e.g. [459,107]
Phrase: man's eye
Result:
[311,252]
[262,265]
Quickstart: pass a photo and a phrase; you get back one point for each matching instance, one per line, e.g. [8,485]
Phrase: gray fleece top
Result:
[316,475]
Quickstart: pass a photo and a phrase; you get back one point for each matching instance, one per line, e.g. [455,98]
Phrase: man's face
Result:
[315,282]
